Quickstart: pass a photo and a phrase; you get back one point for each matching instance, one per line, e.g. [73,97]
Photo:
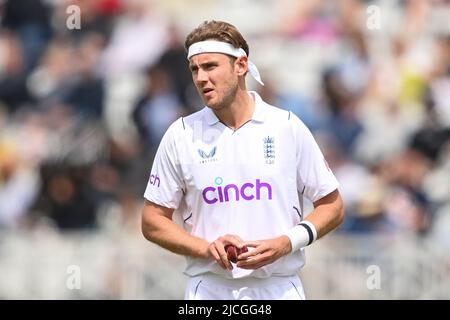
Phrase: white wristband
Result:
[302,235]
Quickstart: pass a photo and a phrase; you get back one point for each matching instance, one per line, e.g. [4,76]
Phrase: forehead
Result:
[207,57]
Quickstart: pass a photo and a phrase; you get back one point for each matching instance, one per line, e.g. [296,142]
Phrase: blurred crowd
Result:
[82,111]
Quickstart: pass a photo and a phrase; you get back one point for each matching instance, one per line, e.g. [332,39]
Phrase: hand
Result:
[265,252]
[217,249]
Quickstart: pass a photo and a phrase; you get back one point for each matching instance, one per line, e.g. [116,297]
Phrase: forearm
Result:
[165,233]
[327,215]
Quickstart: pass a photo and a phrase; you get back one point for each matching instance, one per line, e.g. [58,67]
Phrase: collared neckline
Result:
[258,113]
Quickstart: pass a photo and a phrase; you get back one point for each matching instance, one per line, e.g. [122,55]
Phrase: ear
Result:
[241,65]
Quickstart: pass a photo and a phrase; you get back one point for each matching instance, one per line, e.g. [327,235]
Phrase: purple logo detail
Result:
[248,191]
[154,179]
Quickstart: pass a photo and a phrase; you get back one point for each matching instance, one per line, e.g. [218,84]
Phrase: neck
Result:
[238,112]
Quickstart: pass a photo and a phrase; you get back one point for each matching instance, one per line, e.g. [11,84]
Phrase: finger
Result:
[254,263]
[252,244]
[216,256]
[219,245]
[223,256]
[253,260]
[226,262]
[234,240]
[255,266]
[259,250]
[247,255]
[250,261]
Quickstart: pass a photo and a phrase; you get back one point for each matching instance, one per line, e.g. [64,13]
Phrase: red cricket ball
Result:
[233,252]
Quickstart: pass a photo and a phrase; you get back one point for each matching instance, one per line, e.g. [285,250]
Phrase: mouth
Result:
[207,92]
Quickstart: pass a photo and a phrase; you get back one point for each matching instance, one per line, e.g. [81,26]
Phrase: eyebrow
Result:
[194,67]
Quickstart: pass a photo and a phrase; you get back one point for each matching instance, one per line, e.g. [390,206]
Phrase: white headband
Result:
[226,48]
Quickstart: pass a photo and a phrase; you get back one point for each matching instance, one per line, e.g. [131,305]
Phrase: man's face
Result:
[215,78]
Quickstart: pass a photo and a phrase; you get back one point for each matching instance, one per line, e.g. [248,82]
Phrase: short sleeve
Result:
[165,184]
[314,177]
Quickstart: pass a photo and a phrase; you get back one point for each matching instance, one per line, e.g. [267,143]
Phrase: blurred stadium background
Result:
[82,111]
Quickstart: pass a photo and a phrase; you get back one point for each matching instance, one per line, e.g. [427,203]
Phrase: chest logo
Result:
[269,149]
[208,157]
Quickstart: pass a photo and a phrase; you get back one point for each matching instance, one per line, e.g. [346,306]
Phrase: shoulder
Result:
[274,113]
[183,124]
[181,129]
[283,117]
[189,121]
[174,129]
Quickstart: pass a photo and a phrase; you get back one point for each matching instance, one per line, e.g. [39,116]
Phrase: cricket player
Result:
[236,172]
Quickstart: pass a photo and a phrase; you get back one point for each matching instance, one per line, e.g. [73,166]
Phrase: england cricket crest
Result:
[269,149]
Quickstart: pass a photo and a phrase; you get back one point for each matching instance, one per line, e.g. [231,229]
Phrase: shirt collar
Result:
[258,113]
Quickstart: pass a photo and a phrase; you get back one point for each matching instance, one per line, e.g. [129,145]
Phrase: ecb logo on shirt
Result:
[269,149]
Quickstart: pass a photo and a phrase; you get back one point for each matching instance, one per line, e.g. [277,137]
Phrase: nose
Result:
[202,76]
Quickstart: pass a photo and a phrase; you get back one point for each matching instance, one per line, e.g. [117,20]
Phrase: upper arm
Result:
[334,198]
[166,183]
[154,218]
[152,209]
[315,180]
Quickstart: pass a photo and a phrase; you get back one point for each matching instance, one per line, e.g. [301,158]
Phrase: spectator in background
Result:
[13,77]
[96,18]
[86,94]
[132,45]
[52,79]
[439,79]
[173,61]
[342,122]
[158,108]
[67,198]
[30,21]
[19,185]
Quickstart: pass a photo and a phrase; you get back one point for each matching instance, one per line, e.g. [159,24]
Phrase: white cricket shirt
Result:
[247,182]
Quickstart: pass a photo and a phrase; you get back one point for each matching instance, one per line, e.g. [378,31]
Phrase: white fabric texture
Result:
[208,287]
